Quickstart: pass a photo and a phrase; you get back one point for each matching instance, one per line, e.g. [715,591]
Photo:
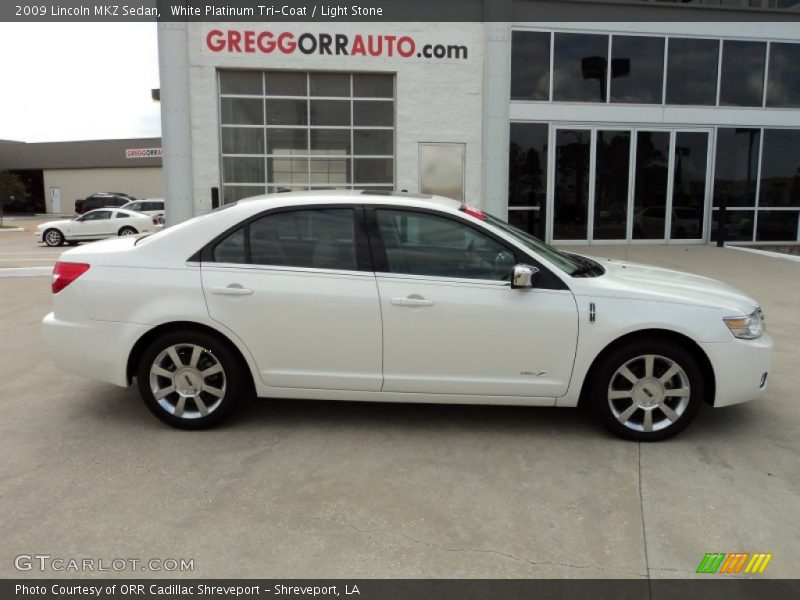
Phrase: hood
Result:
[628,279]
[59,223]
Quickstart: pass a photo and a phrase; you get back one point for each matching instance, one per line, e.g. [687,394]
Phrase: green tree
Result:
[11,189]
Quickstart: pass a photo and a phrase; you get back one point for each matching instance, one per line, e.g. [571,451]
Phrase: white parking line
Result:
[782,255]
[26,259]
[26,272]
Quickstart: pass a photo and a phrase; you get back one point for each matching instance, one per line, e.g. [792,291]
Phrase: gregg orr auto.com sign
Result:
[378,45]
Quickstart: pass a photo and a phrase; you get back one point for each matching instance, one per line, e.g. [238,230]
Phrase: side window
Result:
[121,215]
[231,249]
[98,216]
[426,244]
[137,206]
[314,238]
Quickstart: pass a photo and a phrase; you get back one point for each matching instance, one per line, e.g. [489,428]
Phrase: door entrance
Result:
[621,185]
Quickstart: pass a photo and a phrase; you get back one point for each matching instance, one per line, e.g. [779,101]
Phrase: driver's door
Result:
[93,224]
[451,322]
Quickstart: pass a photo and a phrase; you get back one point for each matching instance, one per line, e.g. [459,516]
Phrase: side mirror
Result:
[522,277]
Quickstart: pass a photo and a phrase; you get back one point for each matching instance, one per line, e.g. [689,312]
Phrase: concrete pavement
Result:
[315,489]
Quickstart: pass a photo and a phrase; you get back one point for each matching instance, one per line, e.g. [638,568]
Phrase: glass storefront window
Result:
[776,225]
[530,65]
[527,164]
[738,226]
[612,161]
[579,67]
[742,77]
[571,198]
[780,168]
[736,170]
[689,185]
[650,190]
[692,71]
[637,69]
[783,86]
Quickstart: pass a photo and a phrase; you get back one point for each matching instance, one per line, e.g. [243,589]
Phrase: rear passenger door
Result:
[297,287]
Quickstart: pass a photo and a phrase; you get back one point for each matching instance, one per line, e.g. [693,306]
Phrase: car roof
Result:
[356,196]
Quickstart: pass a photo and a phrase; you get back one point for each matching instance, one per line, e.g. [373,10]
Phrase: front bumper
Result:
[740,369]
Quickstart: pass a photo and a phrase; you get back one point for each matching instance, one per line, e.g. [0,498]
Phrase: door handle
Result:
[233,289]
[413,300]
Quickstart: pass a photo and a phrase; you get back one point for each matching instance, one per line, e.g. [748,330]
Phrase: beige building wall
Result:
[140,182]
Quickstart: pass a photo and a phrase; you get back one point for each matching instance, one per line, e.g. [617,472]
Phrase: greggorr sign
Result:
[249,41]
[143,153]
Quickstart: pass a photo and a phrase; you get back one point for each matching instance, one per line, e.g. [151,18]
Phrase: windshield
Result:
[566,262]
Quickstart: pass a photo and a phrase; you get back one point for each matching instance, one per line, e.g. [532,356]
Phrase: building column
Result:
[496,89]
[173,69]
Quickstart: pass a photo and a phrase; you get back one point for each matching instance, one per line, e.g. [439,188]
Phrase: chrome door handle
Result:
[233,289]
[413,300]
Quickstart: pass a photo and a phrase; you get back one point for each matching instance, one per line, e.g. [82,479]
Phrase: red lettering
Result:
[408,43]
[234,37]
[214,41]
[390,44]
[267,46]
[286,43]
[358,46]
[375,49]
[249,41]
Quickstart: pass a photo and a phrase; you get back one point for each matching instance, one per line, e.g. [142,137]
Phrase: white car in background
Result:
[96,225]
[149,206]
[397,298]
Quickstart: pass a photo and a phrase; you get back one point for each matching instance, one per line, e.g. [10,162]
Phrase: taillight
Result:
[65,273]
[155,220]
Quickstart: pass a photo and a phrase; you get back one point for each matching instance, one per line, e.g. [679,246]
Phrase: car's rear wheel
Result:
[648,391]
[128,231]
[190,380]
[53,237]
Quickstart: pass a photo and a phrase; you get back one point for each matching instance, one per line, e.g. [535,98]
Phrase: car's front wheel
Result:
[648,391]
[53,237]
[190,380]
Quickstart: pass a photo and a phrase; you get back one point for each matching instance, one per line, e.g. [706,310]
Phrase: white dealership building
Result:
[632,128]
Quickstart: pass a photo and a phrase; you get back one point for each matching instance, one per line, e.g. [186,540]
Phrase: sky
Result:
[78,81]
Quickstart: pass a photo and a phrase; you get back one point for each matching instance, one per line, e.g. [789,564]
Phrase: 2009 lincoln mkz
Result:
[392,297]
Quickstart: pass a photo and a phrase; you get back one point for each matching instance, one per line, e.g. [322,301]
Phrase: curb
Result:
[792,257]
[10,229]
[26,272]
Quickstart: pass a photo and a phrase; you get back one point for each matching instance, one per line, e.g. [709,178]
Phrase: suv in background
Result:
[102,200]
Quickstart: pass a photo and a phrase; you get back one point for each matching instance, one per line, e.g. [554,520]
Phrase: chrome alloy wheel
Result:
[649,393]
[52,238]
[187,381]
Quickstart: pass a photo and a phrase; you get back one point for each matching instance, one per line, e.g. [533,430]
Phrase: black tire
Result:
[608,381]
[233,382]
[127,230]
[53,238]
[72,243]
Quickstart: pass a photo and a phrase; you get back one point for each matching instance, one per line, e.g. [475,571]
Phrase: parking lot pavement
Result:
[18,249]
[314,489]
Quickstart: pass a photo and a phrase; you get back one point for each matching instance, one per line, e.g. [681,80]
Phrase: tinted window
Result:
[742,79]
[320,239]
[736,170]
[780,168]
[692,71]
[240,82]
[571,210]
[425,244]
[650,191]
[776,226]
[530,65]
[98,215]
[689,184]
[612,161]
[637,69]
[527,164]
[579,67]
[231,249]
[373,86]
[738,226]
[783,87]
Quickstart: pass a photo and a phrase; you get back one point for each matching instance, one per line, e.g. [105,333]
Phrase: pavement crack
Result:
[644,529]
[384,531]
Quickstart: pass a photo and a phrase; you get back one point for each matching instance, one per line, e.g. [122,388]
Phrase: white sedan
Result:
[96,225]
[392,297]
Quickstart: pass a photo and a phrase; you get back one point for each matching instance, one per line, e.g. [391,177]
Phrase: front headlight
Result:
[750,327]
